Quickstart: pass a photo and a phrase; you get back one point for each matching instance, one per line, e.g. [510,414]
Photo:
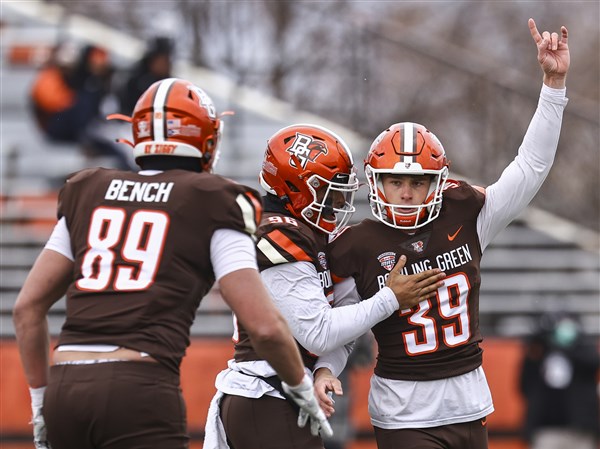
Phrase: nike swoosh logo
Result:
[453,236]
[484,422]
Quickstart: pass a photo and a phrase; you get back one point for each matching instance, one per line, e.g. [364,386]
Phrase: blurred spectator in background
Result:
[559,383]
[154,65]
[66,98]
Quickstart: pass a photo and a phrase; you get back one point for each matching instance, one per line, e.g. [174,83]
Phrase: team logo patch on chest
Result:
[418,244]
[387,260]
[322,260]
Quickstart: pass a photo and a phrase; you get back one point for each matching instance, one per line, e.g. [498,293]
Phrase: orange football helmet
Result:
[175,117]
[406,149]
[311,170]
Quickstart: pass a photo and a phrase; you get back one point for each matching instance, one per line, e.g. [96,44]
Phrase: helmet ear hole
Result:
[292,187]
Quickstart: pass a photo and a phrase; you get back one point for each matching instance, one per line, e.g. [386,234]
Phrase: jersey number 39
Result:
[454,314]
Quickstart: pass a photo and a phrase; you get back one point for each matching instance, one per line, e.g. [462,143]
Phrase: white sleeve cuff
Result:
[335,360]
[60,240]
[37,396]
[554,95]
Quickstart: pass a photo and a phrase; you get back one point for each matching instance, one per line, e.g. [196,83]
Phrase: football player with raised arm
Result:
[135,254]
[309,177]
[429,389]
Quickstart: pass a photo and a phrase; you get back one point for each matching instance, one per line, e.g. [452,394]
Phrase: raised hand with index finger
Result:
[553,54]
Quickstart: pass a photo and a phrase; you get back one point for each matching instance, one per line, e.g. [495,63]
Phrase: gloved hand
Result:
[304,395]
[40,440]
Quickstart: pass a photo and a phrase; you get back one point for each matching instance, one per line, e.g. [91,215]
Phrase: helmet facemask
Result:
[392,214]
[333,201]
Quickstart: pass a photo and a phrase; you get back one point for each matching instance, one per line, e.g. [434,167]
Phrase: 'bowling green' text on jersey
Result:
[440,337]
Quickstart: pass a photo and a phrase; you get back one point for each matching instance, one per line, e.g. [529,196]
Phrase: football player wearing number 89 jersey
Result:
[429,389]
[135,254]
[309,178]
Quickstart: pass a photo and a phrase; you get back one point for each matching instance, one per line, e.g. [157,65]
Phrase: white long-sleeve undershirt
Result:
[318,327]
[521,180]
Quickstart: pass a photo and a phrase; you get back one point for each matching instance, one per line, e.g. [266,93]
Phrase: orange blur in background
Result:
[206,357]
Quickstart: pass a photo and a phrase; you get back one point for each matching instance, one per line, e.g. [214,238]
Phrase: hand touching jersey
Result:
[411,289]
[553,54]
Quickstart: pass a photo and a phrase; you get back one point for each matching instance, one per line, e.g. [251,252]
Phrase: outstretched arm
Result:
[319,328]
[520,181]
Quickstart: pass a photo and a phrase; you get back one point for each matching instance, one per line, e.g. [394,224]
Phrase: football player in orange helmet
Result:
[429,389]
[174,117]
[311,172]
[135,253]
[309,177]
[406,169]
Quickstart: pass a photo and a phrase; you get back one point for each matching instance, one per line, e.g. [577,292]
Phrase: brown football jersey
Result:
[141,246]
[440,337]
[284,239]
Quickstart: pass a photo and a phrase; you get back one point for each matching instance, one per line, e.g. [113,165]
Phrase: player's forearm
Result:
[33,341]
[244,292]
[338,326]
[46,283]
[317,326]
[521,180]
[335,361]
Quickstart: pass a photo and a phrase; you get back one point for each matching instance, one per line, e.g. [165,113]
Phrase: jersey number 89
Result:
[141,239]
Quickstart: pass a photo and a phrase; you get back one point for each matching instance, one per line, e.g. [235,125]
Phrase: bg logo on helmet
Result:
[205,101]
[306,149]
